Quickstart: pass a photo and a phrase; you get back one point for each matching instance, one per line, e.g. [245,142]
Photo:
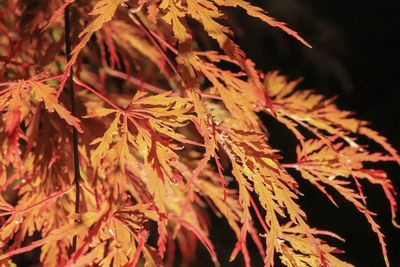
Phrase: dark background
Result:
[355,56]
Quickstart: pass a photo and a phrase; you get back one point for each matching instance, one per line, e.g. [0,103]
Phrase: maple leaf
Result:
[335,167]
[104,10]
[318,115]
[57,13]
[261,170]
[13,114]
[173,17]
[15,111]
[47,94]
[259,13]
[296,252]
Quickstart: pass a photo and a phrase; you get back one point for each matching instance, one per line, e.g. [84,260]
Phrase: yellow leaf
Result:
[175,12]
[104,11]
[47,94]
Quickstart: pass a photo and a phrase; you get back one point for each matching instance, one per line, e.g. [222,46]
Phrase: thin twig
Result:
[98,94]
[135,81]
[147,86]
[135,18]
[77,174]
[165,43]
[40,203]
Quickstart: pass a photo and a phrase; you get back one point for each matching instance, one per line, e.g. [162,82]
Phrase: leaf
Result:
[203,238]
[297,252]
[57,13]
[55,236]
[259,13]
[14,113]
[173,17]
[104,142]
[104,11]
[318,115]
[47,94]
[324,165]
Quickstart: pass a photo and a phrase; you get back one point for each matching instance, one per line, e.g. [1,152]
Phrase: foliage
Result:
[167,133]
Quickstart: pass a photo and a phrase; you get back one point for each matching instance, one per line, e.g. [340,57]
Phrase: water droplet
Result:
[173,181]
[280,241]
[111,232]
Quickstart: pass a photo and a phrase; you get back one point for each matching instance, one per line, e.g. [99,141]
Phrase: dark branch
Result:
[70,86]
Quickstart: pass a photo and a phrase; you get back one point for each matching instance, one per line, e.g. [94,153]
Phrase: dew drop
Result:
[280,241]
[111,232]
[331,178]
[173,181]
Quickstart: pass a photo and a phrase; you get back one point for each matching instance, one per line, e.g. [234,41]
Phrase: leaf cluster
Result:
[167,134]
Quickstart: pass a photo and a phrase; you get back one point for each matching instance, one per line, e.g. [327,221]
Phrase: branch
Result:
[77,174]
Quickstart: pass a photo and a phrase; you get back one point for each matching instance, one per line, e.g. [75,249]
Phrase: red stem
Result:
[97,93]
[258,214]
[45,201]
[135,81]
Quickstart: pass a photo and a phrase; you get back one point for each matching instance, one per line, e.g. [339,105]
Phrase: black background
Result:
[355,56]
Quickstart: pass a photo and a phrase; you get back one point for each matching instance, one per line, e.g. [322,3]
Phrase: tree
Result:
[120,135]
